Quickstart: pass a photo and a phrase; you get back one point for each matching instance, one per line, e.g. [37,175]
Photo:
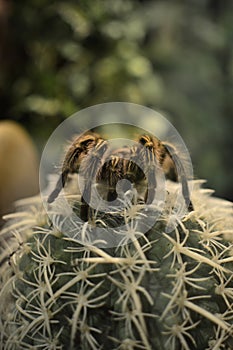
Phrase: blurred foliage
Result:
[174,56]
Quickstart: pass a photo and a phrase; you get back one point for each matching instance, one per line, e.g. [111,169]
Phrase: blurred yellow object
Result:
[19,165]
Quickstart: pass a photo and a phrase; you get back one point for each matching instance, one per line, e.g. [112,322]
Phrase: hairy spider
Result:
[92,157]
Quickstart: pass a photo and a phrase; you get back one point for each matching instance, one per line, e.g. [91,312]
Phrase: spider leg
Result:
[89,169]
[116,173]
[84,209]
[150,166]
[76,153]
[68,167]
[151,189]
[60,184]
[150,163]
[170,150]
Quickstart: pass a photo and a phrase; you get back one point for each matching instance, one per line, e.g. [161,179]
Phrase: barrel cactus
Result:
[154,290]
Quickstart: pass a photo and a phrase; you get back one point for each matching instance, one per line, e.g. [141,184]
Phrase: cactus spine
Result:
[160,291]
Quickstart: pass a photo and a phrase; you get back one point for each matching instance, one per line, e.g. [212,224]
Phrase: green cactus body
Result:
[160,291]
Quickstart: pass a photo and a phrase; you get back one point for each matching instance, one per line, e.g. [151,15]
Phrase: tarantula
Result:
[90,156]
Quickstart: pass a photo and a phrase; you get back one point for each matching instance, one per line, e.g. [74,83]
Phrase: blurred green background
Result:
[57,57]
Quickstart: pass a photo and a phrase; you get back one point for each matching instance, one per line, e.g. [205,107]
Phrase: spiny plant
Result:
[155,290]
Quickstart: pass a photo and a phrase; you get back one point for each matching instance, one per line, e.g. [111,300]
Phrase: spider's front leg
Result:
[149,156]
[179,172]
[79,156]
[163,155]
[89,170]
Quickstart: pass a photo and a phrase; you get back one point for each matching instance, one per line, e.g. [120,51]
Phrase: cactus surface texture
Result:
[156,290]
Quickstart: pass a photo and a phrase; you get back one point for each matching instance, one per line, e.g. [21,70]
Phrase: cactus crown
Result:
[154,290]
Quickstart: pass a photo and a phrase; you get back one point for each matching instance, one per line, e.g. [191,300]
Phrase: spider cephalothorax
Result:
[91,156]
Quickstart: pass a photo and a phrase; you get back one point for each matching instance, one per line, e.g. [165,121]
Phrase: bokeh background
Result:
[57,57]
